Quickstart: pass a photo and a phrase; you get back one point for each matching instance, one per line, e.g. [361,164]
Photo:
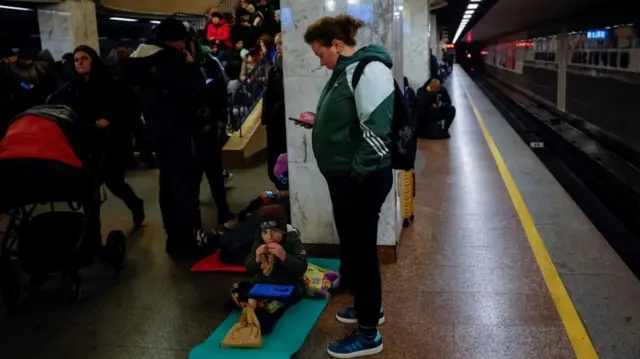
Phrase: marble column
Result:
[415,37]
[67,24]
[434,36]
[304,80]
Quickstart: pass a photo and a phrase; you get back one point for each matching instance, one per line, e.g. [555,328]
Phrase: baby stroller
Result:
[49,161]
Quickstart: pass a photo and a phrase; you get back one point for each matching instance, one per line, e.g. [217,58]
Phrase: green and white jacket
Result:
[352,128]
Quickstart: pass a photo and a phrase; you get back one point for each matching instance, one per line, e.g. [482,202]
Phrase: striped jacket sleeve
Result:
[374,97]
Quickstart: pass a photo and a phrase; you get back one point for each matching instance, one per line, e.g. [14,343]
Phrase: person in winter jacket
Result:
[267,48]
[207,140]
[434,112]
[351,139]
[274,117]
[218,31]
[234,60]
[98,99]
[13,96]
[172,95]
[277,257]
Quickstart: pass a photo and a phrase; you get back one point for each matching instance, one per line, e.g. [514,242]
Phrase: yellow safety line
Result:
[578,335]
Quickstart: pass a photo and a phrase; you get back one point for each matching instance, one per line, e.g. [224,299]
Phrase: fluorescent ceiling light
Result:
[466,16]
[126,19]
[476,0]
[14,8]
[472,6]
[155,21]
[469,12]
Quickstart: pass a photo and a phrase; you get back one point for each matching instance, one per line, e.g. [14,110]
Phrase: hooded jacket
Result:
[220,32]
[352,128]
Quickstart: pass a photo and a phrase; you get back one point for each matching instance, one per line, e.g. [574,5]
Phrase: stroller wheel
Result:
[73,288]
[116,250]
[11,285]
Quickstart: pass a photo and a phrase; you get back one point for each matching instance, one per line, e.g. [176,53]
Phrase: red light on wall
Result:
[484,52]
[524,44]
[469,37]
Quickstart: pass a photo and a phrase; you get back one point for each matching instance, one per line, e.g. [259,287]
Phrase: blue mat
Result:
[287,337]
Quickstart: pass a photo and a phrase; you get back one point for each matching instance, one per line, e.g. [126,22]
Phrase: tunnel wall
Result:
[602,78]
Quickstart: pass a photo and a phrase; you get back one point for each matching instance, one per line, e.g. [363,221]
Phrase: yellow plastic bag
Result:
[246,332]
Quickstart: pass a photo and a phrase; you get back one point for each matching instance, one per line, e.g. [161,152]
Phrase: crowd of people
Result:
[180,129]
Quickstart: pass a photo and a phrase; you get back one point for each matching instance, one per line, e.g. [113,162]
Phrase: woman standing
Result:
[351,139]
[97,98]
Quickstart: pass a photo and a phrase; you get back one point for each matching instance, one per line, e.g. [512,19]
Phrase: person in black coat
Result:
[434,111]
[172,94]
[273,116]
[99,99]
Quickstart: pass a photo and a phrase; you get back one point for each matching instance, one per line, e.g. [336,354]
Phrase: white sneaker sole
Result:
[355,321]
[363,353]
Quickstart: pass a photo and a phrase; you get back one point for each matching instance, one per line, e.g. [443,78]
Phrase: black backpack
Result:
[236,244]
[404,139]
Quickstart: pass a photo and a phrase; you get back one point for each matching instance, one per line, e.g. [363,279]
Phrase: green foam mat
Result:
[288,335]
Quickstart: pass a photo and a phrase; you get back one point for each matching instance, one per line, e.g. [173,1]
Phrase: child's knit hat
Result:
[273,217]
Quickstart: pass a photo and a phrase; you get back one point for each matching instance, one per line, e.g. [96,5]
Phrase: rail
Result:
[246,96]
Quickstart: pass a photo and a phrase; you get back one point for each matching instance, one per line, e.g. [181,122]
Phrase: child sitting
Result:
[277,257]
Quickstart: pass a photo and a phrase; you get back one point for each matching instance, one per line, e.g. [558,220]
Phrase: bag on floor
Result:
[236,244]
[319,281]
[404,139]
[246,332]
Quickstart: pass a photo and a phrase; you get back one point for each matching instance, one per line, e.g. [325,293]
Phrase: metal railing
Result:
[246,96]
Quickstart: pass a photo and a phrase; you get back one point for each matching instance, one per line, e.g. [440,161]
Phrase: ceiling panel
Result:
[510,16]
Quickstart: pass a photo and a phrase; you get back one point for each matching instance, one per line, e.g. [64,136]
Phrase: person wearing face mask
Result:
[351,142]
[172,95]
[97,98]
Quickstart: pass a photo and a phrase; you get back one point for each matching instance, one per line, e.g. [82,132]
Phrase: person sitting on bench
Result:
[278,258]
[434,111]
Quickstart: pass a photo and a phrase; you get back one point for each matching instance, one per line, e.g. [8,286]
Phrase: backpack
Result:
[404,139]
[236,244]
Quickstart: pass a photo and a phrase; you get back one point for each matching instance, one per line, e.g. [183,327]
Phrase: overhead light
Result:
[466,16]
[472,6]
[469,12]
[155,21]
[125,19]
[15,8]
[476,0]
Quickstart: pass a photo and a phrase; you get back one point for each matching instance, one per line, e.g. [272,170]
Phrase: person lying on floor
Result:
[434,111]
[278,258]
[279,196]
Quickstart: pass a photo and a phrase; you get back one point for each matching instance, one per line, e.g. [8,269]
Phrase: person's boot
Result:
[138,213]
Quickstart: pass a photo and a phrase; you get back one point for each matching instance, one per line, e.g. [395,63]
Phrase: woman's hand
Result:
[261,251]
[102,123]
[277,250]
[306,119]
